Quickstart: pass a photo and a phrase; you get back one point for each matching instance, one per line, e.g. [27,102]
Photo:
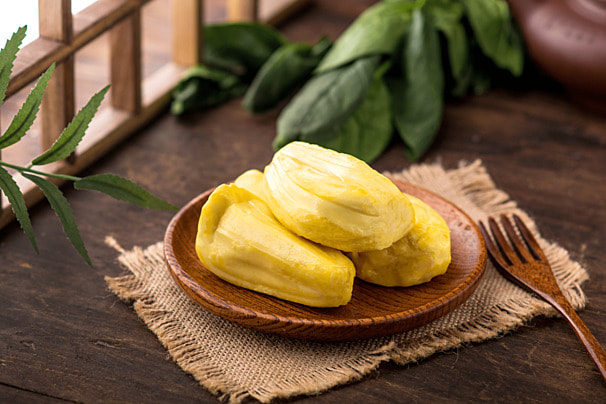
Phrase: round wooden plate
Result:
[373,311]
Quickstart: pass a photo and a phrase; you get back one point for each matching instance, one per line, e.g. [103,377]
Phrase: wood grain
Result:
[373,311]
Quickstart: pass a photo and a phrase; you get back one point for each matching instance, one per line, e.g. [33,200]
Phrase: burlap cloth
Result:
[238,363]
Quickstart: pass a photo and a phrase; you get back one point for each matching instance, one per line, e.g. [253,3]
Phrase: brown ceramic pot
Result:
[567,40]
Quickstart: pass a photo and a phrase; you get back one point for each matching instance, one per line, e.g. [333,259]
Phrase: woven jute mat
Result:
[237,363]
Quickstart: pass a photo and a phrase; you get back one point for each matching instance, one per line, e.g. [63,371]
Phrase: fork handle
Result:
[591,344]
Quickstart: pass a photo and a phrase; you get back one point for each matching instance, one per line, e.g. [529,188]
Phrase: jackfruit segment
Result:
[414,259]
[253,182]
[335,199]
[240,241]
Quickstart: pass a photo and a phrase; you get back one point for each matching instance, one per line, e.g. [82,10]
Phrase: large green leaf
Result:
[378,30]
[496,33]
[287,68]
[64,212]
[122,189]
[447,17]
[417,95]
[7,58]
[368,131]
[15,198]
[73,133]
[326,101]
[25,117]
[240,47]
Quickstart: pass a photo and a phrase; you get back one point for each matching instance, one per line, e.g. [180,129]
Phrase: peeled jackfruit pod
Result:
[335,199]
[414,259]
[241,242]
[253,182]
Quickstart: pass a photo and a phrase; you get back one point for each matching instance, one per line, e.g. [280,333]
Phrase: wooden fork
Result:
[526,265]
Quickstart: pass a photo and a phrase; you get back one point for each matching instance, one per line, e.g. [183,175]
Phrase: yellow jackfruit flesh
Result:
[240,241]
[253,182]
[416,258]
[335,199]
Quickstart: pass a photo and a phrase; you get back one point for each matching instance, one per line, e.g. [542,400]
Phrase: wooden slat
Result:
[242,10]
[57,108]
[55,20]
[88,25]
[187,20]
[125,49]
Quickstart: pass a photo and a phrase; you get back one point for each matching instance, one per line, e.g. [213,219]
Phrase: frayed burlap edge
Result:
[476,194]
[166,325]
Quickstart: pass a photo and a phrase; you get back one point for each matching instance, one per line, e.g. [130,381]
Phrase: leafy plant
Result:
[283,72]
[240,47]
[326,102]
[250,60]
[112,185]
[421,52]
[369,129]
[418,90]
[377,31]
[204,87]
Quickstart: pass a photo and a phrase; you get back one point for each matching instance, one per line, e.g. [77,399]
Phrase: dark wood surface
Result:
[65,337]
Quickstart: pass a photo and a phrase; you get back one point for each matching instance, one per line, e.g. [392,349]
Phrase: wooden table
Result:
[65,337]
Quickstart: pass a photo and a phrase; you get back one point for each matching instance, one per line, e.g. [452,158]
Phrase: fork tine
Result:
[501,241]
[517,243]
[491,247]
[529,239]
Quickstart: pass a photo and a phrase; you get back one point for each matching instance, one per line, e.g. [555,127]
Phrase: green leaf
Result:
[368,131]
[73,133]
[418,96]
[447,17]
[122,189]
[24,119]
[64,212]
[204,87]
[240,47]
[287,68]
[7,58]
[378,30]
[326,101]
[496,33]
[15,198]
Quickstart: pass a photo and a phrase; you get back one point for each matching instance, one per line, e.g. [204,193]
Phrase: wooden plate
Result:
[373,310]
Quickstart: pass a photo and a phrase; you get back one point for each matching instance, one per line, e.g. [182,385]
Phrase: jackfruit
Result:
[335,199]
[252,181]
[414,259]
[240,241]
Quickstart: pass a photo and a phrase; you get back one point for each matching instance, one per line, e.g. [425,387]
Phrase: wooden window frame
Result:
[135,100]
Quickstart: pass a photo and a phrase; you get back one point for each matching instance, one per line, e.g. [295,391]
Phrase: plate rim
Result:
[454,297]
